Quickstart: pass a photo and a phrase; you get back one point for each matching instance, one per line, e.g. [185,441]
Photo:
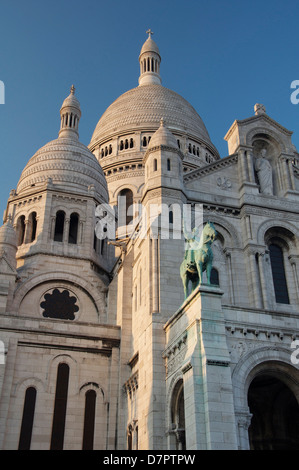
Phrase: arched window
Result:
[131,143]
[214,277]
[178,415]
[89,420]
[59,226]
[73,229]
[144,142]
[130,438]
[125,202]
[60,405]
[278,274]
[27,419]
[32,227]
[21,229]
[168,164]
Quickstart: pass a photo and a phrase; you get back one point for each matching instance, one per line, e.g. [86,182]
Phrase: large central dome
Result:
[143,107]
[139,111]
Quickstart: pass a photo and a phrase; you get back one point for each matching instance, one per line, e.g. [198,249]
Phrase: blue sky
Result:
[222,56]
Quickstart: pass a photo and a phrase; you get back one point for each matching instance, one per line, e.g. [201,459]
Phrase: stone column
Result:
[261,260]
[243,166]
[255,279]
[230,274]
[291,173]
[249,157]
[295,275]
[155,275]
[243,419]
[66,230]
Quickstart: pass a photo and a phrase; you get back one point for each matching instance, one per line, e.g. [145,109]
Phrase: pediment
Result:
[218,176]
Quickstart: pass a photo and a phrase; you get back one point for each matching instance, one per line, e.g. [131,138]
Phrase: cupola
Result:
[70,113]
[150,60]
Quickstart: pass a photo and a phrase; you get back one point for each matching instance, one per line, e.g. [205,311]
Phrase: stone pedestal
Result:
[208,394]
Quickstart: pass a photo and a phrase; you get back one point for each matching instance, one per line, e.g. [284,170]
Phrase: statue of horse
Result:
[198,257]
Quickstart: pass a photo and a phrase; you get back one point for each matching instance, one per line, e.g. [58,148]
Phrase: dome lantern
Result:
[150,60]
[70,113]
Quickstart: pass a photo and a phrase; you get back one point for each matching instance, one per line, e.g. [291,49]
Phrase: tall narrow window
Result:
[58,426]
[125,203]
[21,229]
[168,164]
[33,225]
[73,229]
[89,420]
[155,164]
[59,226]
[27,419]
[278,274]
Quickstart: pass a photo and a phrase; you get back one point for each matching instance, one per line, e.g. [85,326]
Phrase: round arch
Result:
[258,361]
[266,133]
[33,282]
[270,224]
[227,230]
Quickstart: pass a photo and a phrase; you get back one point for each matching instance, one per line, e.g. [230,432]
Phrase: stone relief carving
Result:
[224,183]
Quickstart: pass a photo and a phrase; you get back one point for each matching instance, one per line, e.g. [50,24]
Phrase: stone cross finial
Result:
[73,90]
[149,32]
[259,109]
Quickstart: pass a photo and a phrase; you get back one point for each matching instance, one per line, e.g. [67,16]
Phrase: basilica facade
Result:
[104,345]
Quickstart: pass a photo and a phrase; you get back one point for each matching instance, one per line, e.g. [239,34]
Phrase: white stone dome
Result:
[142,109]
[67,164]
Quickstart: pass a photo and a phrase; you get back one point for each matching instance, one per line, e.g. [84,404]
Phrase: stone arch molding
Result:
[255,362]
[227,230]
[272,135]
[274,223]
[99,389]
[33,282]
[21,386]
[177,377]
[52,373]
[128,185]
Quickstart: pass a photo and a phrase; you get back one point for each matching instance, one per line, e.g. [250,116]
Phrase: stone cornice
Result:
[215,166]
[261,117]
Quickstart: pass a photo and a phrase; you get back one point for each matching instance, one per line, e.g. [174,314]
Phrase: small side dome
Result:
[164,137]
[65,162]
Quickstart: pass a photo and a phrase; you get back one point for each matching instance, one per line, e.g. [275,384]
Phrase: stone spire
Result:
[150,60]
[70,113]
